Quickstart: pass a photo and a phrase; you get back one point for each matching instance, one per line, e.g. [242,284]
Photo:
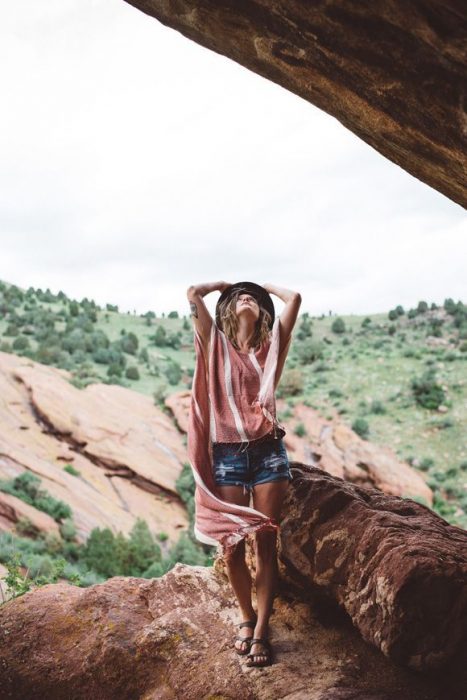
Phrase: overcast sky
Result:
[135,163]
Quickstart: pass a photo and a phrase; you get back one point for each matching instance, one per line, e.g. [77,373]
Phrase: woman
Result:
[258,461]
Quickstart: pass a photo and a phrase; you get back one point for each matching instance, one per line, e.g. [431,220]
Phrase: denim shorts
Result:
[243,464]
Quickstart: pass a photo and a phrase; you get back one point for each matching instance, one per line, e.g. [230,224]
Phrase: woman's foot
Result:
[260,652]
[242,641]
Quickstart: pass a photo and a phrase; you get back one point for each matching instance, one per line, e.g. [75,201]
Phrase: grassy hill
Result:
[397,378]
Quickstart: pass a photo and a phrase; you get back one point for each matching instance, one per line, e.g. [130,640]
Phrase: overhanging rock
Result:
[392,71]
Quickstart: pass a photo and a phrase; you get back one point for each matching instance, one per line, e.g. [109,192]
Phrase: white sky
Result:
[135,163]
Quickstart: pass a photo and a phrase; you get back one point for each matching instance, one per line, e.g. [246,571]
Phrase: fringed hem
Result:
[231,540]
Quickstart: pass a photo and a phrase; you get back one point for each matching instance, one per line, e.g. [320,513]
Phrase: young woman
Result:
[256,463]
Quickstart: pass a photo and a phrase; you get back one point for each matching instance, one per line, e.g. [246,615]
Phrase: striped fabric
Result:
[232,400]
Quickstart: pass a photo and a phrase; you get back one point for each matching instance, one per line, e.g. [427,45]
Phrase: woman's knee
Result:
[266,545]
[236,553]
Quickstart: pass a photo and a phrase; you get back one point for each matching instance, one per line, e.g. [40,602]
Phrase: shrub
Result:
[309,350]
[143,355]
[71,470]
[291,383]
[361,427]
[160,394]
[300,430]
[129,343]
[21,342]
[377,407]
[173,372]
[132,373]
[426,390]
[114,370]
[338,325]
[159,337]
[27,487]
[422,307]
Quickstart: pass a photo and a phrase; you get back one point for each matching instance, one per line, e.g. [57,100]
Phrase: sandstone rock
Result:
[172,637]
[127,451]
[396,568]
[13,508]
[392,73]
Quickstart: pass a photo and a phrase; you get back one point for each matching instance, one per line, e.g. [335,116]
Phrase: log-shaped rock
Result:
[397,568]
[393,72]
[172,638]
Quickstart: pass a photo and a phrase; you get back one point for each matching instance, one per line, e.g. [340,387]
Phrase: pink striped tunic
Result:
[232,400]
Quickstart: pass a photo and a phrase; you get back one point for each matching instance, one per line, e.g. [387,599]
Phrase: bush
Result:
[21,342]
[129,343]
[114,370]
[132,373]
[309,350]
[426,463]
[27,487]
[377,407]
[160,337]
[71,470]
[291,383]
[427,392]
[300,430]
[173,373]
[361,427]
[422,307]
[338,325]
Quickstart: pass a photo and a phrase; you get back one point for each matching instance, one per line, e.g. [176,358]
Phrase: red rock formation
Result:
[172,638]
[392,72]
[127,451]
[398,569]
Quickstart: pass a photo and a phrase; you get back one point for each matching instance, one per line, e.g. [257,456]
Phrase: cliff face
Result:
[172,637]
[393,72]
[127,451]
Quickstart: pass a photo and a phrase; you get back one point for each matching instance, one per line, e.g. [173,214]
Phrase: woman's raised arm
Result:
[289,313]
[199,312]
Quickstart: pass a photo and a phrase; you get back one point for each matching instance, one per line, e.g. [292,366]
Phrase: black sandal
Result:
[267,653]
[247,640]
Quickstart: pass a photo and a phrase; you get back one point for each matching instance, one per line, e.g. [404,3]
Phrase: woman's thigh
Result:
[234,494]
[269,497]
[269,462]
[231,469]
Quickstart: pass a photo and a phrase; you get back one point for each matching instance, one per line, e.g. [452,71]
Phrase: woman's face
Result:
[246,304]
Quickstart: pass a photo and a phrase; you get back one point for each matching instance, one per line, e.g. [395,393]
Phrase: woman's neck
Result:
[245,334]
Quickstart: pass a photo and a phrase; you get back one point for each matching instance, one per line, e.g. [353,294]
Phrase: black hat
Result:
[259,293]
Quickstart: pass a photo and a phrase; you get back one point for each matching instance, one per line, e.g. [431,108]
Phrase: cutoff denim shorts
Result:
[243,464]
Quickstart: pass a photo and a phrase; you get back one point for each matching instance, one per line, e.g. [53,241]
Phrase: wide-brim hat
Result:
[259,293]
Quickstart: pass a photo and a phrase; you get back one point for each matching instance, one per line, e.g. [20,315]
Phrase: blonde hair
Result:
[229,321]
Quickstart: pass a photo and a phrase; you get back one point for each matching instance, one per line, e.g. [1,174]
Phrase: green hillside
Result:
[397,378]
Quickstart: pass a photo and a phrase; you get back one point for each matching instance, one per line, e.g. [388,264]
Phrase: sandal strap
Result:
[248,623]
[262,641]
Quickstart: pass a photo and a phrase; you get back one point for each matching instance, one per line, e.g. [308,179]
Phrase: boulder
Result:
[391,72]
[396,567]
[13,508]
[172,637]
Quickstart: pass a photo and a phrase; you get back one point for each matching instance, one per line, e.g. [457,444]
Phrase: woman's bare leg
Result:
[237,569]
[268,499]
